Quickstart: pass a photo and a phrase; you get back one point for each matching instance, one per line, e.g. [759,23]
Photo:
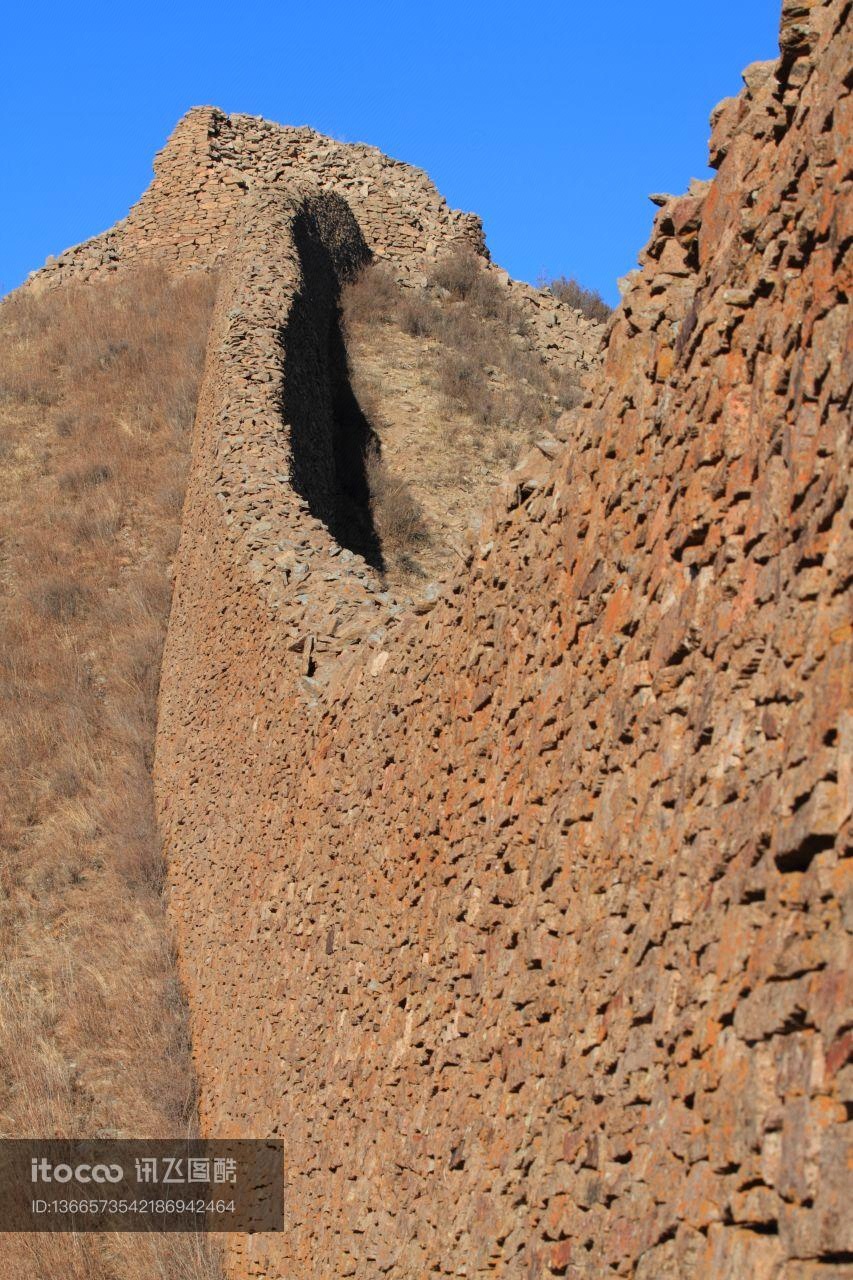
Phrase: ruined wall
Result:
[526,919]
[213,162]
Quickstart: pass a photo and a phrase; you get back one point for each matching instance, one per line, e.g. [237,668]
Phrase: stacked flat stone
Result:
[528,925]
[213,161]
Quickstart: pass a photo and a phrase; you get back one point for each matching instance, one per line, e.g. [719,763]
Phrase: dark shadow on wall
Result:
[330,436]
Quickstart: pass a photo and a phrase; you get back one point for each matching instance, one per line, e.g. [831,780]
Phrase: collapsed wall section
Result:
[529,929]
[214,162]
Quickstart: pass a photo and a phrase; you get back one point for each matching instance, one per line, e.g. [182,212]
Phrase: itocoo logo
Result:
[44,1171]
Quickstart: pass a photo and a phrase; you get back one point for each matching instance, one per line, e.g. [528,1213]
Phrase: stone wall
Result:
[213,162]
[526,919]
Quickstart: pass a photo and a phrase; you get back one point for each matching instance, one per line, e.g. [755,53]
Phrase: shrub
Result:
[463,381]
[59,600]
[418,315]
[588,301]
[374,296]
[371,297]
[566,389]
[79,479]
[397,514]
[457,272]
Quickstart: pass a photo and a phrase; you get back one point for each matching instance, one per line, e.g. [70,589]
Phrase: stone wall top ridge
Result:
[212,161]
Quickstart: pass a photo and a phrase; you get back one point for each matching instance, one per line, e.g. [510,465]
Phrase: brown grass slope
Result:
[455,388]
[98,385]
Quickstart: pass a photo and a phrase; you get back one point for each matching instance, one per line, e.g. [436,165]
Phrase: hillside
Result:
[97,398]
[454,385]
[502,747]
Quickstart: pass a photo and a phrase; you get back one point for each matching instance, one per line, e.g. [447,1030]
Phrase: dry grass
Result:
[397,514]
[588,301]
[97,395]
[458,272]
[489,367]
[372,297]
[478,372]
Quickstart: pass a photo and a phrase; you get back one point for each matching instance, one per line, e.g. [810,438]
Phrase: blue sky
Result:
[552,120]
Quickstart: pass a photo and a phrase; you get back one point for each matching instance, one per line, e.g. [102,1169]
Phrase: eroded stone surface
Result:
[527,925]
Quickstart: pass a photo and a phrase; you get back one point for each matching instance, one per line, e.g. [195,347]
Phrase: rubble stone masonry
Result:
[524,915]
[213,163]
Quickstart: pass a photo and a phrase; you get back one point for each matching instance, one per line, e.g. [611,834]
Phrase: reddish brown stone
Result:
[579,839]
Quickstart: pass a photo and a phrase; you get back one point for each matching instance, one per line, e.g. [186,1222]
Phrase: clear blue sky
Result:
[552,119]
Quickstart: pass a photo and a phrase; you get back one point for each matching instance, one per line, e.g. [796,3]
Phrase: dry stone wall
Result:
[528,924]
[268,453]
[213,162]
